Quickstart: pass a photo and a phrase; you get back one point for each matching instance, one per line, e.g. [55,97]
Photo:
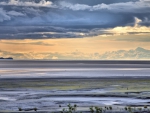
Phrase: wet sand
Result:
[47,94]
[47,84]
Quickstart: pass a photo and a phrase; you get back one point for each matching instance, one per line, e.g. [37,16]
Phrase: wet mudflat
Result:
[47,94]
[49,86]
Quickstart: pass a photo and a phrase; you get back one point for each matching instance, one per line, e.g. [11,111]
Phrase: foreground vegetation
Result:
[125,87]
[95,109]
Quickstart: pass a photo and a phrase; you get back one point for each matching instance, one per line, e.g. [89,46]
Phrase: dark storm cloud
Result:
[68,18]
[93,2]
[30,43]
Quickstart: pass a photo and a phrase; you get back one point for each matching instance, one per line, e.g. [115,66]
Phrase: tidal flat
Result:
[52,86]
[48,94]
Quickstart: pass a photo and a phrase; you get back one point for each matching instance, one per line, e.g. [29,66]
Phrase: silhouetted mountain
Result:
[138,53]
[9,58]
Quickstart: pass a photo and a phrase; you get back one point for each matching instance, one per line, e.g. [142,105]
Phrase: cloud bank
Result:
[34,19]
[133,54]
[41,3]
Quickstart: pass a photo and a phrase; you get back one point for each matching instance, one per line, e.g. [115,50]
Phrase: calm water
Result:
[12,98]
[77,69]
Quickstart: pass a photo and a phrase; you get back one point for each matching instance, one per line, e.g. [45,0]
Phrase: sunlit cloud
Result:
[74,29]
[43,3]
[115,7]
[136,29]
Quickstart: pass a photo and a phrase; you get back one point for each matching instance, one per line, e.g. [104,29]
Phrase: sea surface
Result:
[16,76]
[73,69]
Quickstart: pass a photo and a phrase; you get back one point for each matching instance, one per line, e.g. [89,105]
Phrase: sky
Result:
[75,29]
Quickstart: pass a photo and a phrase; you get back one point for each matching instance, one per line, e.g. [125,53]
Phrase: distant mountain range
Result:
[6,58]
[138,53]
[133,54]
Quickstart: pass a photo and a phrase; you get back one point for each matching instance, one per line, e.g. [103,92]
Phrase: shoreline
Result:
[73,64]
[47,94]
[47,84]
[76,78]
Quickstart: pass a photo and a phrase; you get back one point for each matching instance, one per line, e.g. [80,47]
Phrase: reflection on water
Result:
[99,100]
[7,98]
[16,68]
[78,72]
[11,100]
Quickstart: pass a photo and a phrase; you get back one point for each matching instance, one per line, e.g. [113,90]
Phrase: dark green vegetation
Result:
[125,86]
[114,87]
[121,85]
[95,109]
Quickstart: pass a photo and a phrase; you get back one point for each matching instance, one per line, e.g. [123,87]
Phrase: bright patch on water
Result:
[77,72]
[7,98]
